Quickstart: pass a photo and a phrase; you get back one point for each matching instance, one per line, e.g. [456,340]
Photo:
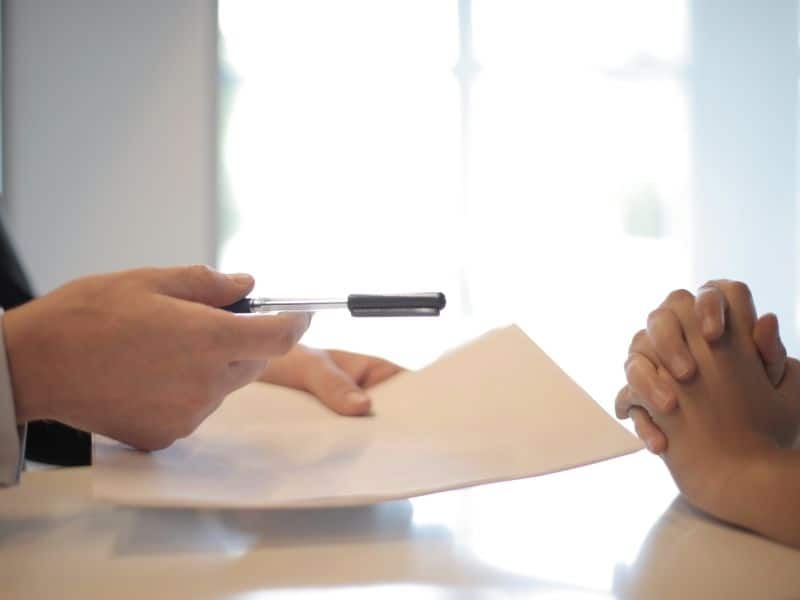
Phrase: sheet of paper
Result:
[493,410]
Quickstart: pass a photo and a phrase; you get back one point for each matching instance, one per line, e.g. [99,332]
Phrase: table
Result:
[614,529]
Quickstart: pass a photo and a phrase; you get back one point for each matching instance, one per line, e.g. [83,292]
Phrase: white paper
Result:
[496,409]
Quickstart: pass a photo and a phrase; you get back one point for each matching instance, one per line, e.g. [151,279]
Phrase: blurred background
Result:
[562,165]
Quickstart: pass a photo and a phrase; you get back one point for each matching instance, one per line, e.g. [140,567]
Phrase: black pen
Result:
[359,305]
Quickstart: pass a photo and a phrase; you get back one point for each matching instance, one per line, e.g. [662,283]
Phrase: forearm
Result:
[766,497]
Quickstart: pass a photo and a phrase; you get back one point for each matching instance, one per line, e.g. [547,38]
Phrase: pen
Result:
[359,305]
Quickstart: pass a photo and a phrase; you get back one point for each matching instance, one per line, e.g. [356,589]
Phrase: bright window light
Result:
[522,157]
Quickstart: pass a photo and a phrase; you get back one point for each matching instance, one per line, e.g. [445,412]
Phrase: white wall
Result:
[743,99]
[110,134]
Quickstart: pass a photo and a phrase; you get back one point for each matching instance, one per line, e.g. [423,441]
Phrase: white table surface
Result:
[613,529]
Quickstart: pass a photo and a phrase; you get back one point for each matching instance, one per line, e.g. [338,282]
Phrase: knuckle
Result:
[658,315]
[142,277]
[201,272]
[639,339]
[630,362]
[739,290]
[145,273]
[680,297]
[633,370]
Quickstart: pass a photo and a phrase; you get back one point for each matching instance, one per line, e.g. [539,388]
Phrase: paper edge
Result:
[354,501]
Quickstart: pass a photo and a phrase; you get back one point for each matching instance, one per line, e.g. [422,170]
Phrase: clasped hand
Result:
[711,390]
[686,330]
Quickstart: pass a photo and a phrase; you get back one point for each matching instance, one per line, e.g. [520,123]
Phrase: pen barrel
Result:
[407,305]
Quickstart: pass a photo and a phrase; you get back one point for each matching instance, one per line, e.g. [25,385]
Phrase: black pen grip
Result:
[242,306]
[407,305]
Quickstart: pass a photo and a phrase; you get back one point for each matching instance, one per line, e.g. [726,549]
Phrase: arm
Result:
[765,497]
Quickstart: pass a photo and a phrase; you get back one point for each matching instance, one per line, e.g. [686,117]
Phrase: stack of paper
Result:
[495,409]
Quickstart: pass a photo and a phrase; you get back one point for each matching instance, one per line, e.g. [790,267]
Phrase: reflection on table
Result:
[610,529]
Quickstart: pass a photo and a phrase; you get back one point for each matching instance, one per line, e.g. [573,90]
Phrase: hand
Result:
[729,414]
[338,379]
[141,356]
[663,344]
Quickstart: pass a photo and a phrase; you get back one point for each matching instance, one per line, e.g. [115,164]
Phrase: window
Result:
[511,154]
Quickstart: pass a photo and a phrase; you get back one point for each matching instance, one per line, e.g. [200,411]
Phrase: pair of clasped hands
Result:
[711,390]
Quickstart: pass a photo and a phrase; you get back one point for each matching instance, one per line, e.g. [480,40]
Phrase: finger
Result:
[666,333]
[262,336]
[337,390]
[241,372]
[378,373]
[766,335]
[648,432]
[199,283]
[365,370]
[741,309]
[624,402]
[642,344]
[710,306]
[648,388]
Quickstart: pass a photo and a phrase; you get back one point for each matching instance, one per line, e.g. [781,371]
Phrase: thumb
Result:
[200,283]
[338,391]
[767,338]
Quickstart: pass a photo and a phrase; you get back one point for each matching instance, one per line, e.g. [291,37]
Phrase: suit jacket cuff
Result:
[12,436]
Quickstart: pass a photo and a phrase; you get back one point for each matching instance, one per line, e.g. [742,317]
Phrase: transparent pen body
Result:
[359,305]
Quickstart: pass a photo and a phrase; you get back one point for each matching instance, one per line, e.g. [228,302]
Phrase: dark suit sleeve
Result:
[47,441]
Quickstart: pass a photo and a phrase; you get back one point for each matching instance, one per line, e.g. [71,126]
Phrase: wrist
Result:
[21,355]
[724,487]
[750,486]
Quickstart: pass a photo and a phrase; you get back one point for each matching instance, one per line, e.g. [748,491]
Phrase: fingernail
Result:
[241,278]
[682,366]
[709,328]
[356,398]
